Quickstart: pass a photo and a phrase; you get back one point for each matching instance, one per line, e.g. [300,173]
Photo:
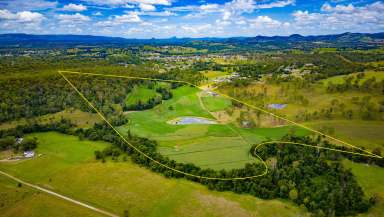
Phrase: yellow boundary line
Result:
[367,153]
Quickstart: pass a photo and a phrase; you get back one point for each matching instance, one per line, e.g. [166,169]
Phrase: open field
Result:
[120,186]
[26,202]
[80,118]
[315,107]
[368,134]
[210,74]
[371,179]
[140,94]
[218,146]
[367,75]
[214,104]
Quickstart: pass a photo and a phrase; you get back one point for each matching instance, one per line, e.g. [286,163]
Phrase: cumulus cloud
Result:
[129,17]
[266,22]
[147,7]
[343,18]
[74,7]
[27,5]
[20,21]
[157,13]
[72,18]
[277,4]
[21,17]
[124,2]
[232,10]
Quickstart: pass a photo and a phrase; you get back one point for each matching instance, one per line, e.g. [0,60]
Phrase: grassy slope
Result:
[227,149]
[24,201]
[119,186]
[368,134]
[364,133]
[58,153]
[371,179]
[214,104]
[141,93]
[80,118]
[368,74]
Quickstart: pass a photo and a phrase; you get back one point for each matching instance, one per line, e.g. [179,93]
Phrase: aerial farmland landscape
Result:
[174,108]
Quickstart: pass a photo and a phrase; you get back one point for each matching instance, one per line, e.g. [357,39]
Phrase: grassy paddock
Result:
[218,146]
[368,134]
[119,186]
[142,94]
[217,103]
[371,179]
[26,202]
[368,74]
[80,118]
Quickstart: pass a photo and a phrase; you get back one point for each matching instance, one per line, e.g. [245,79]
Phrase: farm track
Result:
[79,203]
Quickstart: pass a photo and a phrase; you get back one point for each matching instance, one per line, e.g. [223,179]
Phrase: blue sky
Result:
[182,18]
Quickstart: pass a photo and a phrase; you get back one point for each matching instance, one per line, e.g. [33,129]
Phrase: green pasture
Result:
[217,146]
[80,118]
[217,103]
[210,74]
[57,152]
[142,94]
[370,178]
[368,134]
[27,202]
[118,187]
[368,74]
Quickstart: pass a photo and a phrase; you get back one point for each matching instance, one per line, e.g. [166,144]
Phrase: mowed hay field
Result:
[67,166]
[217,146]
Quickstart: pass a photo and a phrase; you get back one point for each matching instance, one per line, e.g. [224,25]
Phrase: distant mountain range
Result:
[345,39]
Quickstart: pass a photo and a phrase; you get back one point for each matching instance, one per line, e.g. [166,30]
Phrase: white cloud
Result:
[20,21]
[27,5]
[98,13]
[226,15]
[74,7]
[277,4]
[264,22]
[72,18]
[128,6]
[153,2]
[196,29]
[21,17]
[147,7]
[209,7]
[129,17]
[338,8]
[124,2]
[232,10]
[157,13]
[342,18]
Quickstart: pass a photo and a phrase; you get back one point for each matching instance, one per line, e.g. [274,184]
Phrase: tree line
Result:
[309,177]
